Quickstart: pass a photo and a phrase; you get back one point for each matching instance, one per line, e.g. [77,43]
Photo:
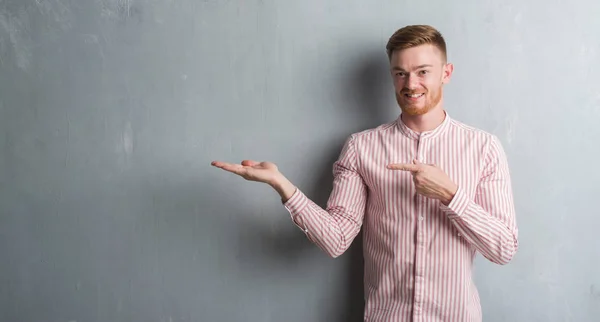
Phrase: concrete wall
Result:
[111,111]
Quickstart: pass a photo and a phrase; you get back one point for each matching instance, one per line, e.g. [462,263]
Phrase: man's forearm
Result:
[493,237]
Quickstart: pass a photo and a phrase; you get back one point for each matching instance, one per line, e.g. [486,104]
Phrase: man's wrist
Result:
[283,186]
[450,193]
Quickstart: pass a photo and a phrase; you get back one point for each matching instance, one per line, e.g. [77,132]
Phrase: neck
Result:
[425,122]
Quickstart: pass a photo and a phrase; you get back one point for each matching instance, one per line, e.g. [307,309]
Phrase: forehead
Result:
[411,58]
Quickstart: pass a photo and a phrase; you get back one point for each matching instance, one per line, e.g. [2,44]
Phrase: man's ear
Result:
[447,73]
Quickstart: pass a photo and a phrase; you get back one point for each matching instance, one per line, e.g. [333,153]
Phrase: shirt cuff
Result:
[457,206]
[295,205]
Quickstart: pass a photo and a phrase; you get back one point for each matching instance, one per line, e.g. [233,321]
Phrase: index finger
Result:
[403,167]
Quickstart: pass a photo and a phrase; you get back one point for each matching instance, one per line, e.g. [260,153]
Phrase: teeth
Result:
[414,95]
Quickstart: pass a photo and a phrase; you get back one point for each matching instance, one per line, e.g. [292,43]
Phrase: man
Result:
[427,190]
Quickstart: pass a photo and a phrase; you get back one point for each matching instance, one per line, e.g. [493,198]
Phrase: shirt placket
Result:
[420,240]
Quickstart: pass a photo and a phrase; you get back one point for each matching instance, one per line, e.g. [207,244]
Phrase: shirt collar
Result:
[426,134]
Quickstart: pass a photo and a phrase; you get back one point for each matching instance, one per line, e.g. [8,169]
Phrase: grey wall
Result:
[111,111]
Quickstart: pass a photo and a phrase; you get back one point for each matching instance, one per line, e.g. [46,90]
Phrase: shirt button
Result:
[421,218]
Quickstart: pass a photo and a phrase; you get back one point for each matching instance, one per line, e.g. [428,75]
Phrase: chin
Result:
[414,110]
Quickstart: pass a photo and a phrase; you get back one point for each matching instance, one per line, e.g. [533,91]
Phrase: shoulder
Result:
[374,133]
[468,129]
[487,142]
[473,133]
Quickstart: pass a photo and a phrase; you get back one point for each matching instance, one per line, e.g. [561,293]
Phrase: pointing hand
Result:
[430,180]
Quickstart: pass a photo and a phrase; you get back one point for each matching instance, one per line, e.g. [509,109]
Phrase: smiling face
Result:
[419,74]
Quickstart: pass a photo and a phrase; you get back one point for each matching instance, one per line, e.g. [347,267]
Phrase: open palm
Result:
[250,170]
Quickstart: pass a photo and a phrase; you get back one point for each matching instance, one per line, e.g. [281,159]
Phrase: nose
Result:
[411,81]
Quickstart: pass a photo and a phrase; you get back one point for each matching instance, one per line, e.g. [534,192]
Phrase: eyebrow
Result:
[418,67]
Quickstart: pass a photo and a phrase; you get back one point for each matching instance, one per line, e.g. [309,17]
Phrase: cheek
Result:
[399,87]
[398,83]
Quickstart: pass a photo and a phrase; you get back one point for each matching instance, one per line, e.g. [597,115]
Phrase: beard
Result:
[424,105]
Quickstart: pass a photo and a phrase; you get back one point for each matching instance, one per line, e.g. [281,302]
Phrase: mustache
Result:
[411,92]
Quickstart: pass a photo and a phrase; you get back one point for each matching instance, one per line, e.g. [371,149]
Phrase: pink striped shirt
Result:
[418,252]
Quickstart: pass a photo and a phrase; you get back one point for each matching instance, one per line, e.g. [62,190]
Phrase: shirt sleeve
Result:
[488,222]
[334,228]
